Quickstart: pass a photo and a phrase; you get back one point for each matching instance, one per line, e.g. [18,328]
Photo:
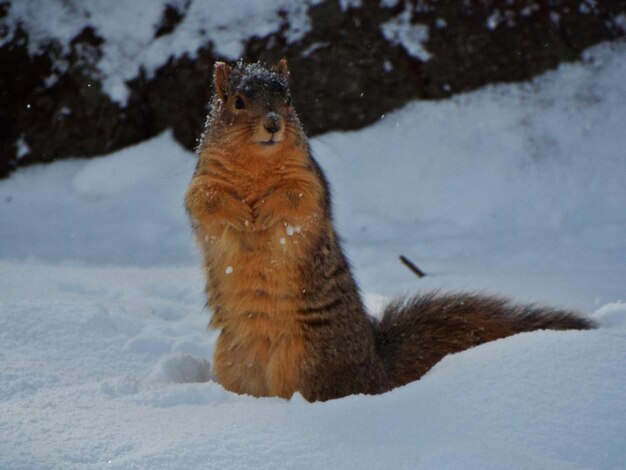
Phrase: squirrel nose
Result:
[271,122]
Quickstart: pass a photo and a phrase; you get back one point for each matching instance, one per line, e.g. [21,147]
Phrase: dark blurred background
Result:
[346,72]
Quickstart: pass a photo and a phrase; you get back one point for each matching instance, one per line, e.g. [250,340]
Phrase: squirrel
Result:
[279,286]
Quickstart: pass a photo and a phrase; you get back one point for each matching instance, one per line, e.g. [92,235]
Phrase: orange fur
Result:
[263,209]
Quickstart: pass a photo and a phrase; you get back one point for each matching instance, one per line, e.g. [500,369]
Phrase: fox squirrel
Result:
[279,286]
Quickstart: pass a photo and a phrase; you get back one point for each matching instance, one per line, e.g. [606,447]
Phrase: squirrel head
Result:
[252,104]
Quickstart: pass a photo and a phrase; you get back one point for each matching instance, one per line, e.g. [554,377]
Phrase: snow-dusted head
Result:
[252,105]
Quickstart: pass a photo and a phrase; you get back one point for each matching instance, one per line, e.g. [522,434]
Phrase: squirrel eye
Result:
[239,103]
[288,100]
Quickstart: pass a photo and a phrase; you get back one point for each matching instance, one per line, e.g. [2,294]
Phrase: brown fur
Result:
[279,287]
[414,335]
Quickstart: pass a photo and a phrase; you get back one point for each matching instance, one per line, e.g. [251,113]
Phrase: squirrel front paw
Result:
[264,221]
[285,206]
[237,215]
[213,207]
[265,213]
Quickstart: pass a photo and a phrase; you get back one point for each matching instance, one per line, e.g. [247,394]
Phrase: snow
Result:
[346,5]
[400,31]
[515,189]
[620,22]
[126,50]
[23,148]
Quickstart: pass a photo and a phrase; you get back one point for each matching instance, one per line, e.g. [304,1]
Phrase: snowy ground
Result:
[516,189]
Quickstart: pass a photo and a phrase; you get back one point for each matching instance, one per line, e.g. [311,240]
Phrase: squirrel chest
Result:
[259,214]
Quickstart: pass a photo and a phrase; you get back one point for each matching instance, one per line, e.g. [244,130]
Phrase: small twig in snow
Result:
[409,264]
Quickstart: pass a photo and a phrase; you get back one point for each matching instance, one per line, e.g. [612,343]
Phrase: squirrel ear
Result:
[282,69]
[220,77]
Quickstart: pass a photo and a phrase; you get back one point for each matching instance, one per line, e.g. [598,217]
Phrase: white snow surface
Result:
[513,189]
[400,31]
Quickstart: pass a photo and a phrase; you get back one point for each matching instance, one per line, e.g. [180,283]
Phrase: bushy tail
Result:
[414,334]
